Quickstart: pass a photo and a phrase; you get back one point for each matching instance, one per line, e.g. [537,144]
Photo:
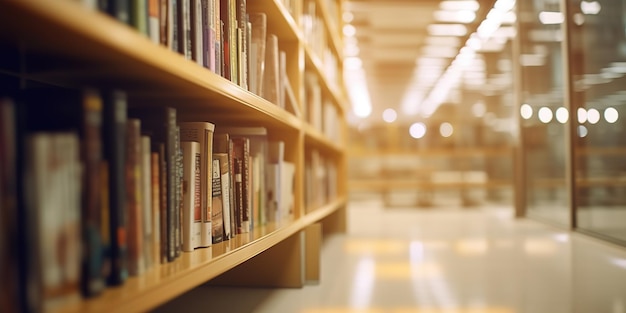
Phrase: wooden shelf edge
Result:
[148,291]
[320,139]
[336,95]
[286,25]
[333,34]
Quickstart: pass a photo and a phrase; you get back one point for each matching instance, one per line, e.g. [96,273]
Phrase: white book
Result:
[202,133]
[192,216]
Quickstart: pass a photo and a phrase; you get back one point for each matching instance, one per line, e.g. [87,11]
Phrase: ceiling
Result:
[391,36]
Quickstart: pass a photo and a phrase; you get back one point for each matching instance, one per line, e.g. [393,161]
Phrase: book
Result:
[185,38]
[164,15]
[241,16]
[243,190]
[198,22]
[139,15]
[118,9]
[223,145]
[178,194]
[10,266]
[155,181]
[257,138]
[81,112]
[133,197]
[173,27]
[217,217]
[146,200]
[160,123]
[202,132]
[258,27]
[114,121]
[227,38]
[52,205]
[271,74]
[218,41]
[164,203]
[154,13]
[222,160]
[192,212]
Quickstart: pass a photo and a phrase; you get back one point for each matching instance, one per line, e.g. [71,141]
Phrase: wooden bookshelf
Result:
[64,44]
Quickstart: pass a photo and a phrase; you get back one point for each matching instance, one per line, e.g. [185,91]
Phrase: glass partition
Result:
[543,113]
[598,66]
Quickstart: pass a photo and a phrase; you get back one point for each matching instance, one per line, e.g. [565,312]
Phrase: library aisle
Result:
[408,260]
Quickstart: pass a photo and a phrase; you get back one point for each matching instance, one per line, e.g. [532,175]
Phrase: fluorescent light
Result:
[390,115]
[417,130]
[459,5]
[590,7]
[551,18]
[460,16]
[349,30]
[611,115]
[443,41]
[447,29]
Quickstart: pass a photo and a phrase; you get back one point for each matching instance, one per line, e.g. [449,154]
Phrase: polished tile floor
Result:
[442,260]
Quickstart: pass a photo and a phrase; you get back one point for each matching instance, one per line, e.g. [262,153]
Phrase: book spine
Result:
[155,189]
[205,26]
[239,197]
[247,189]
[139,16]
[120,9]
[217,26]
[10,265]
[171,152]
[172,26]
[164,21]
[184,29]
[93,265]
[192,217]
[133,197]
[146,199]
[226,38]
[233,46]
[154,30]
[242,25]
[178,194]
[226,195]
[163,205]
[114,144]
[217,217]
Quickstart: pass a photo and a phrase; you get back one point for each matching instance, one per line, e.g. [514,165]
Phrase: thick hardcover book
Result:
[217,30]
[79,111]
[202,132]
[133,197]
[192,212]
[223,145]
[217,203]
[52,205]
[160,122]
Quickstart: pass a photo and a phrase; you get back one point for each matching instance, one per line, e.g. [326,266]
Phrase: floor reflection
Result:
[442,261]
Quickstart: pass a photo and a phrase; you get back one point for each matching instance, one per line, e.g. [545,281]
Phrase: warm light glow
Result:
[390,115]
[460,16]
[582,115]
[590,7]
[447,30]
[353,63]
[348,17]
[451,5]
[417,130]
[446,129]
[550,18]
[593,116]
[526,111]
[562,115]
[472,246]
[582,131]
[611,115]
[545,115]
[479,109]
[349,30]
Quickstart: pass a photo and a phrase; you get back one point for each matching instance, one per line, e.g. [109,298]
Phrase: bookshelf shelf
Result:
[165,282]
[63,44]
[332,28]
